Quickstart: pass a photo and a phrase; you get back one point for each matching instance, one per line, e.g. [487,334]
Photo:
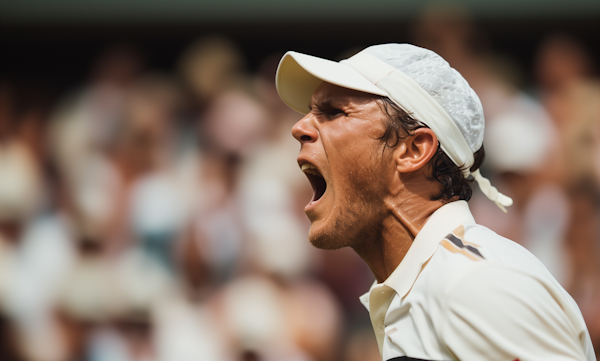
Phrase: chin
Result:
[323,242]
[348,227]
[326,240]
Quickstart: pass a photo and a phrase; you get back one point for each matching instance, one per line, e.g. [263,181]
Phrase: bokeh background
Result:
[151,208]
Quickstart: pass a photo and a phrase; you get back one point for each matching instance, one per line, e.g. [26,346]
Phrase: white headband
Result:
[415,100]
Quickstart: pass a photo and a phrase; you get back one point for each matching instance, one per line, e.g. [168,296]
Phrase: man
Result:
[391,142]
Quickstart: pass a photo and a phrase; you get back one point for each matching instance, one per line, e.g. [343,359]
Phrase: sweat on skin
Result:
[375,201]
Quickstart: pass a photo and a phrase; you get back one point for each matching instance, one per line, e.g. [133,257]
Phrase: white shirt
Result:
[462,292]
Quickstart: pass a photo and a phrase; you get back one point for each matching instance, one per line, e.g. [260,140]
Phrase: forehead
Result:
[330,94]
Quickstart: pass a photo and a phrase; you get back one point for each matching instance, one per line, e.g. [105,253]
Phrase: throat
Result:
[384,252]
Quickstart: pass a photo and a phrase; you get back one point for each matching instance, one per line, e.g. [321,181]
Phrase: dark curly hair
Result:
[400,125]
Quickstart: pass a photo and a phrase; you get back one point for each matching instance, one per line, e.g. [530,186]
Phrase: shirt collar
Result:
[442,221]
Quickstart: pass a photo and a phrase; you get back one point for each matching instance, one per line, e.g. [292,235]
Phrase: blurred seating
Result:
[158,216]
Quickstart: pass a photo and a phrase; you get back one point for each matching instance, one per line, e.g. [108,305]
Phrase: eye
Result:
[335,112]
[328,111]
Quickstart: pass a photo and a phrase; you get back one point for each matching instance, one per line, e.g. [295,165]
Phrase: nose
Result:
[304,131]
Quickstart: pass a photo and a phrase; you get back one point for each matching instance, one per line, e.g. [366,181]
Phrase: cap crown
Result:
[442,82]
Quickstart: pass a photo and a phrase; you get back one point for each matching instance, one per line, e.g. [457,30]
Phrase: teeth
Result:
[306,166]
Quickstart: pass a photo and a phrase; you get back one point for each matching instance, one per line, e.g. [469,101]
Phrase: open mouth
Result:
[316,181]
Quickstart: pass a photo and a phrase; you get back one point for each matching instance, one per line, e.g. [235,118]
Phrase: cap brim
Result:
[298,75]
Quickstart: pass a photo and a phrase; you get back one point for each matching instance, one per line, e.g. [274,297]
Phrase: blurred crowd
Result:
[159,216]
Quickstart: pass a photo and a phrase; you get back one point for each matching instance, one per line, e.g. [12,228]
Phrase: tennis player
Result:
[391,144]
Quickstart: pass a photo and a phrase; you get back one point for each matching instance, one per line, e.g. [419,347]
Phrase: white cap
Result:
[417,79]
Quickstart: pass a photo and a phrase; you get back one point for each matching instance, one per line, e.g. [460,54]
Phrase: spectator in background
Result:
[81,137]
[572,97]
[209,66]
[94,113]
[228,130]
[33,257]
[520,152]
[153,209]
[571,94]
[227,123]
[139,220]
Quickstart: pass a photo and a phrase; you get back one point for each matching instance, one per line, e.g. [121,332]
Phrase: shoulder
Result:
[462,252]
[477,271]
[510,314]
[496,297]
[474,265]
[492,286]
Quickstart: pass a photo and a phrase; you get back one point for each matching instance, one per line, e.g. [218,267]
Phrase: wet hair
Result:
[401,125]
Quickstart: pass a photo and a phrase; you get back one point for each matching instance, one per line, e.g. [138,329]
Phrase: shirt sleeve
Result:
[497,313]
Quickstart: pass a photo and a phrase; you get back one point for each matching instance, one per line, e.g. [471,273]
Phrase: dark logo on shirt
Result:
[456,245]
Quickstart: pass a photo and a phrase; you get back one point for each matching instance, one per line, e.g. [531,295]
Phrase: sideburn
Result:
[366,226]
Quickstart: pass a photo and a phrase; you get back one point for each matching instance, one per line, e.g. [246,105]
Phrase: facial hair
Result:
[358,221]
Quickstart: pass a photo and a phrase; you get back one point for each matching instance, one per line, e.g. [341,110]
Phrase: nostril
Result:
[305,138]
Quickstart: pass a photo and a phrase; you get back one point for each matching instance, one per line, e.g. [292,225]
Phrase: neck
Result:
[407,209]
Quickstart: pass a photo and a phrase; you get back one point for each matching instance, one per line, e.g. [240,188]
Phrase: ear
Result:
[415,151]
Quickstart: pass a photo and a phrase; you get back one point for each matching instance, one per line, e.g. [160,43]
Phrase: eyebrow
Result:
[324,104]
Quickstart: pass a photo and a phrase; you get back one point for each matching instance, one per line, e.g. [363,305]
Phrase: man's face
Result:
[345,164]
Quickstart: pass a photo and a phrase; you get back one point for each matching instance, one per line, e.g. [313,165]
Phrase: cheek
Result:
[354,135]
[354,152]
[358,174]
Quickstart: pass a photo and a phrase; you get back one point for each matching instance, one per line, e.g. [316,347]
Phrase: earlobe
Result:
[415,151]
